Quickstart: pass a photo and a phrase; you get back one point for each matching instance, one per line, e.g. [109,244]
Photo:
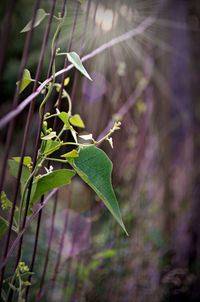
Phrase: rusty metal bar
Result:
[54,125]
[10,132]
[5,34]
[80,50]
[28,123]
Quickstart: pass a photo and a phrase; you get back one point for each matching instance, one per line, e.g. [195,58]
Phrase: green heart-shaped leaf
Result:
[27,161]
[95,168]
[51,146]
[41,14]
[76,120]
[76,61]
[49,182]
[14,167]
[26,80]
[64,118]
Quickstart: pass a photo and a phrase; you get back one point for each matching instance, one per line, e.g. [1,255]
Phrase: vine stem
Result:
[12,282]
[51,85]
[24,192]
[56,159]
[130,34]
[40,162]
[50,88]
[77,144]
[68,99]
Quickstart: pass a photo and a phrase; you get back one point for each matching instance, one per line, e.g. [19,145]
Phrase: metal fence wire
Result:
[42,243]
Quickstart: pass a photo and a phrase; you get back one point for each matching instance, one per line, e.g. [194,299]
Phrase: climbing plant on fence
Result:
[85,159]
[77,154]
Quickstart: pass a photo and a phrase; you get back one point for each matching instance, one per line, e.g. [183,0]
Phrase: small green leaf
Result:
[41,14]
[49,136]
[27,283]
[66,82]
[14,166]
[95,168]
[75,60]
[64,118]
[71,154]
[51,146]
[26,80]
[3,226]
[51,181]
[6,204]
[25,174]
[27,161]
[76,120]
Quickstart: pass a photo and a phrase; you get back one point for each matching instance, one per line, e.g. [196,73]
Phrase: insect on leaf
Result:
[76,61]
[95,168]
[41,14]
